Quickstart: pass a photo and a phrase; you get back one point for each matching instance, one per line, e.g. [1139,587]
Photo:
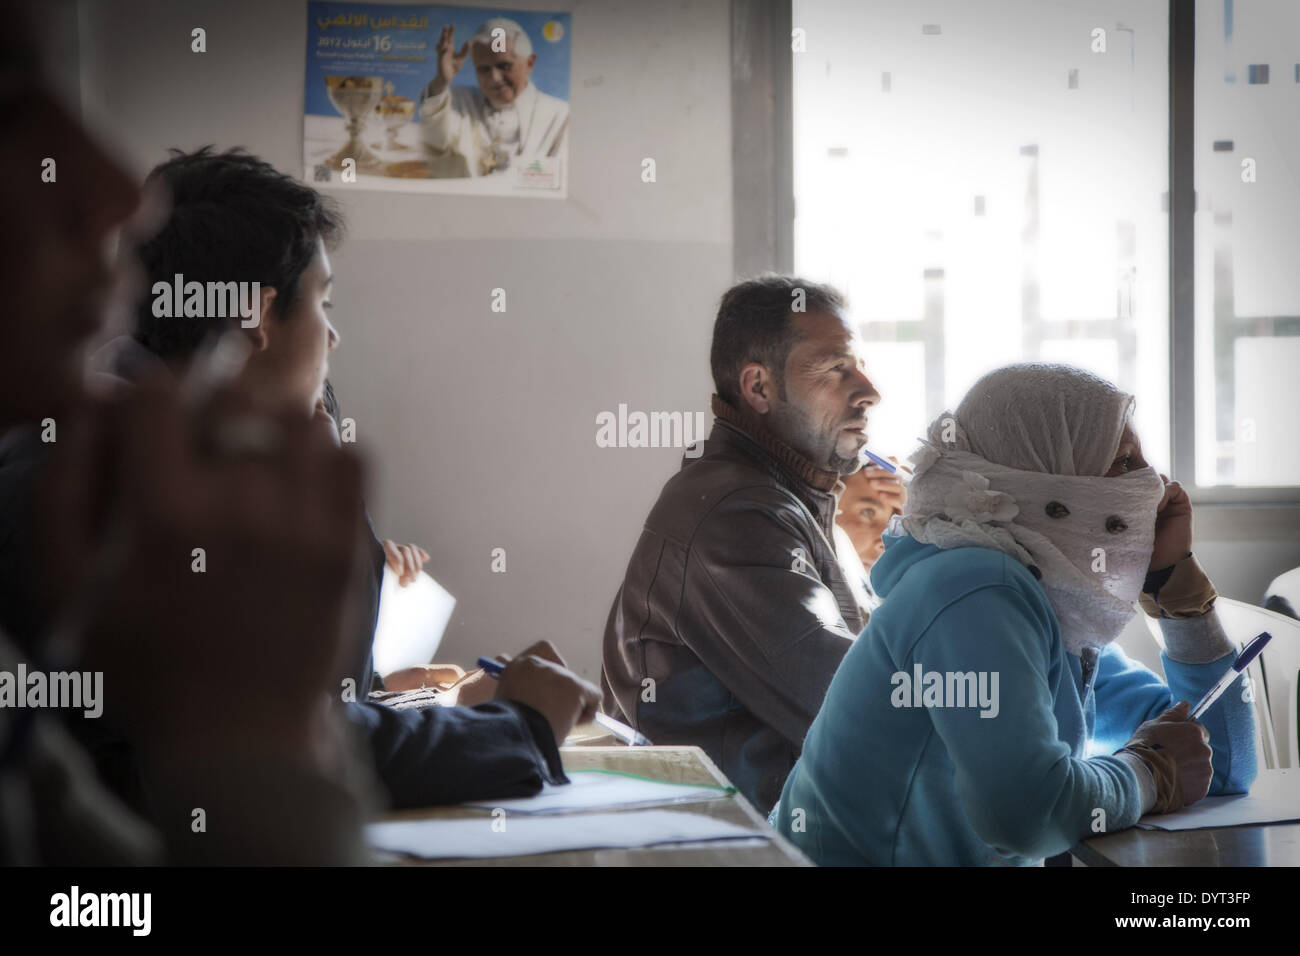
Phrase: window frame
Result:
[763,204]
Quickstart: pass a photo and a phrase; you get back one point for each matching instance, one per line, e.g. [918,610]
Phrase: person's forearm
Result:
[1197,653]
[1230,720]
[444,755]
[1145,778]
[1182,590]
[436,86]
[437,118]
[1077,799]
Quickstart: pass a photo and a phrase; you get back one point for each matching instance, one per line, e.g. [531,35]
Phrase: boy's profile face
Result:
[291,358]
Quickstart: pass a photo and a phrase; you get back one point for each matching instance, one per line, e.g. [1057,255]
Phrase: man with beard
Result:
[735,610]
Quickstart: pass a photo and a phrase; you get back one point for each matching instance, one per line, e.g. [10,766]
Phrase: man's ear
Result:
[532,58]
[258,334]
[757,389]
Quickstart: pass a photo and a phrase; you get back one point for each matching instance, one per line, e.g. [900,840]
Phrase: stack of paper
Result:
[497,835]
[606,790]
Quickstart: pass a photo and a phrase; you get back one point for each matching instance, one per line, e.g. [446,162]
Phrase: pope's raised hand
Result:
[450,60]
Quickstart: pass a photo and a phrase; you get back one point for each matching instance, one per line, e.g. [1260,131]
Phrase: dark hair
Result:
[234,218]
[331,403]
[753,325]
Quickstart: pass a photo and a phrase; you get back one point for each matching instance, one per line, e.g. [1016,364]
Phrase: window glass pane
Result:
[1247,252]
[987,183]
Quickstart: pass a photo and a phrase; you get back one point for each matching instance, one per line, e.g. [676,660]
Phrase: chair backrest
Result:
[1275,675]
[411,622]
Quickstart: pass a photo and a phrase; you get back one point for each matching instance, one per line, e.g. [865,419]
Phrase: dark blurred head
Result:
[55,245]
[800,371]
[235,218]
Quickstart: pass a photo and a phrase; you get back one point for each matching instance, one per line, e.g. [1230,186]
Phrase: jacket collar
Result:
[797,464]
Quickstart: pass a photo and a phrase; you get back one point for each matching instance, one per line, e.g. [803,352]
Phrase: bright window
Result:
[987,182]
[1247,251]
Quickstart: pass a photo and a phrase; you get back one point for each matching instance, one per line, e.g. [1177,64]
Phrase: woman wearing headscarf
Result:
[985,716]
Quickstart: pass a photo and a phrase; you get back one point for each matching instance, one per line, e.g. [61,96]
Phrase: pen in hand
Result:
[622,731]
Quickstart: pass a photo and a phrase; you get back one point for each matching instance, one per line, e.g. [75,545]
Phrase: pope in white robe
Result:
[501,125]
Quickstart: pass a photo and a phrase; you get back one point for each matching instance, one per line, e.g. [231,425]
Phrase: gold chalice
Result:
[354,97]
[395,112]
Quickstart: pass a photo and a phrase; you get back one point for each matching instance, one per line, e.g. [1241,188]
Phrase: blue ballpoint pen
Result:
[884,463]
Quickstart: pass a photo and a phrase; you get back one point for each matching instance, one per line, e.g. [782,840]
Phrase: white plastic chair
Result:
[1275,674]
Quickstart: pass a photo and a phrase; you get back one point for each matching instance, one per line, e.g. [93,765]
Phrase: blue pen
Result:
[619,729]
[1248,654]
[885,463]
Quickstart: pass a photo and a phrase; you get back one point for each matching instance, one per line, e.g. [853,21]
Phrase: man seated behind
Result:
[871,497]
[735,611]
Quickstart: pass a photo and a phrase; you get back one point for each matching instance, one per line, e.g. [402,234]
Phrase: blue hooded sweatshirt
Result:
[886,780]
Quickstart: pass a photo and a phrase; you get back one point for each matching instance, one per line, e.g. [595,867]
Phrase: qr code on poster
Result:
[321,173]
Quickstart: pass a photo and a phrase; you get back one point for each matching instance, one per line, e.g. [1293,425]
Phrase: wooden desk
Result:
[675,764]
[1273,844]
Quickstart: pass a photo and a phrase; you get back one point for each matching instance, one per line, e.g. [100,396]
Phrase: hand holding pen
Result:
[1177,747]
[498,670]
[539,679]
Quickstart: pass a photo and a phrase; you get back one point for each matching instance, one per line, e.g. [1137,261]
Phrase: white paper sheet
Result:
[411,621]
[1273,798]
[492,836]
[604,790]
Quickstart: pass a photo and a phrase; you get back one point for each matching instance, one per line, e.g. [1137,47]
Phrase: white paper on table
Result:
[484,837]
[604,790]
[1274,798]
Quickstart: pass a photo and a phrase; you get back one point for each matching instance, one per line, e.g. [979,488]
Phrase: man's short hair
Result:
[515,36]
[234,218]
[753,325]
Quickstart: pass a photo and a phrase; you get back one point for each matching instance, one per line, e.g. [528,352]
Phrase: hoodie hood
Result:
[901,553]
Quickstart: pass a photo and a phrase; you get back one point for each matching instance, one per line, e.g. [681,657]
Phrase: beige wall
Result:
[481,426]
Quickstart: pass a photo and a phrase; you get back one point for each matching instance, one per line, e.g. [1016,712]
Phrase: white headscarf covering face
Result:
[1020,468]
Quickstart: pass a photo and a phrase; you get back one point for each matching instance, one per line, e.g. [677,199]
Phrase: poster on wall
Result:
[437,99]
